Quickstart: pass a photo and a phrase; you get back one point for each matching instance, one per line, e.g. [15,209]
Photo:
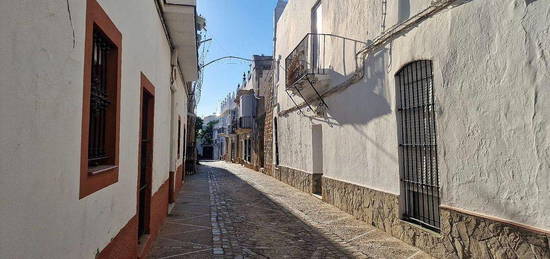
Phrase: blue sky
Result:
[237,28]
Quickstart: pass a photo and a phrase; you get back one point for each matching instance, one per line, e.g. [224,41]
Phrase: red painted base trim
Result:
[159,211]
[124,245]
[179,179]
[171,188]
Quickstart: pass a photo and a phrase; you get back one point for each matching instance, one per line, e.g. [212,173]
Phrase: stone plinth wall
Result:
[473,236]
[249,165]
[316,183]
[268,132]
[377,208]
[296,178]
[462,235]
[276,173]
[268,141]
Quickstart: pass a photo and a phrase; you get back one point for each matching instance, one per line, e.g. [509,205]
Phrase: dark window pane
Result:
[99,100]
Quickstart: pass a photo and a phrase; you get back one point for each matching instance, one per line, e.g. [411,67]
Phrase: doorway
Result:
[145,162]
[317,158]
[208,153]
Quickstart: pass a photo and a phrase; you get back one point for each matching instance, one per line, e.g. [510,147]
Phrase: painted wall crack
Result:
[71,22]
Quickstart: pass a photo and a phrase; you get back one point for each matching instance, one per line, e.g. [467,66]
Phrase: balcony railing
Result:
[311,55]
[246,122]
[232,129]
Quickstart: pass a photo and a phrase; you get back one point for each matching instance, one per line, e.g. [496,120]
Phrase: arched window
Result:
[418,144]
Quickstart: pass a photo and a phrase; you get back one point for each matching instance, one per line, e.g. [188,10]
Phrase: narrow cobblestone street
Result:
[228,211]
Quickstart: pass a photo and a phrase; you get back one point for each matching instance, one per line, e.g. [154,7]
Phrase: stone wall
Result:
[268,132]
[462,235]
[268,142]
[276,173]
[316,183]
[296,178]
[479,237]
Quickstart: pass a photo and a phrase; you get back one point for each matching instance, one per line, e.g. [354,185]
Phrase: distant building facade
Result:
[243,115]
[207,151]
[227,127]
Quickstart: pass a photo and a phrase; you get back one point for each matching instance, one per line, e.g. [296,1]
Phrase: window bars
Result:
[99,100]
[246,122]
[418,144]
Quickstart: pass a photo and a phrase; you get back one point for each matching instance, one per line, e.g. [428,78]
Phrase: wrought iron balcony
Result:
[246,122]
[307,58]
[232,129]
[311,56]
[309,64]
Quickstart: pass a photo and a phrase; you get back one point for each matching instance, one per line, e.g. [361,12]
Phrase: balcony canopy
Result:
[180,17]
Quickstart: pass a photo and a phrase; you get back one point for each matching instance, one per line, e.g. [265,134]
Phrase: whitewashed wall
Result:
[491,84]
[180,109]
[40,131]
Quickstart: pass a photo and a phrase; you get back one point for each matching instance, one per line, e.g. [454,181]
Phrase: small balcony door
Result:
[316,29]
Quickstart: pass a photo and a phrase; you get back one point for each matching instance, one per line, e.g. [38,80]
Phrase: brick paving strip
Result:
[223,235]
[228,211]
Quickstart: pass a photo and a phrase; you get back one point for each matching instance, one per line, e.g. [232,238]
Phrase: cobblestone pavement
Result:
[228,211]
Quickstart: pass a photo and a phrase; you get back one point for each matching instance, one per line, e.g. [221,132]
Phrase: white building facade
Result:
[207,151]
[93,111]
[427,119]
[229,118]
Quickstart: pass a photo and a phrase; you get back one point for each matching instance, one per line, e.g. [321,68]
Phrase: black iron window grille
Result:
[99,100]
[246,122]
[418,144]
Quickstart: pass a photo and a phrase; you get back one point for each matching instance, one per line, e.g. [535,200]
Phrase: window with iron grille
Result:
[100,101]
[101,137]
[418,144]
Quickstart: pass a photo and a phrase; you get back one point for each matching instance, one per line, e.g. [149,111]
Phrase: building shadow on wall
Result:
[365,100]
[362,102]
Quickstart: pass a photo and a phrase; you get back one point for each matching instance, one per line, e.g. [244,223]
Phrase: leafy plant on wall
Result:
[206,134]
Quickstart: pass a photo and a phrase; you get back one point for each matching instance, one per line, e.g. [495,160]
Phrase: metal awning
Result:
[180,17]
